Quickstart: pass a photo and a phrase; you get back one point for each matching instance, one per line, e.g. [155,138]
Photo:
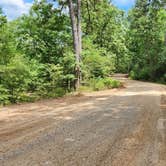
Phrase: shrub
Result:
[96,62]
[132,74]
[144,73]
[115,84]
[103,83]
[27,97]
[98,84]
[85,89]
[4,97]
[108,82]
[111,83]
[14,78]
[57,92]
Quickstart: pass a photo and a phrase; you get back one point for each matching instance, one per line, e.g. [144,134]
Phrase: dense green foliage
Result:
[36,50]
[96,84]
[104,25]
[147,42]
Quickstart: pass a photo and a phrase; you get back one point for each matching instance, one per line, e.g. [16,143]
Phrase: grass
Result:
[98,84]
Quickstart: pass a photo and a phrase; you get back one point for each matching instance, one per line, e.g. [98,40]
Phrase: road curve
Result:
[125,127]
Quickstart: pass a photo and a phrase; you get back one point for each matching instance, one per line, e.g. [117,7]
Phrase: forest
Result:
[73,45]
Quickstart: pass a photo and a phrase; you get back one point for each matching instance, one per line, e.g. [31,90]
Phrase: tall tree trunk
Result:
[79,32]
[76,30]
[79,25]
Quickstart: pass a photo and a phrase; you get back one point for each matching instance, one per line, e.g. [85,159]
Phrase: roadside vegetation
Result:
[100,84]
[38,59]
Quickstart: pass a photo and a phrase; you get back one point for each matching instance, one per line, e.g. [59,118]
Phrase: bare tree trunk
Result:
[79,33]
[79,25]
[76,30]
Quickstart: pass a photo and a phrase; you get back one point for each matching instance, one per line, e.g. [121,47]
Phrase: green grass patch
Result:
[98,84]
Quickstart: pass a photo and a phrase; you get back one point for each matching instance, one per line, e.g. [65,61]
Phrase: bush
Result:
[24,80]
[4,97]
[115,84]
[85,89]
[97,84]
[57,92]
[27,97]
[14,78]
[144,74]
[140,74]
[132,75]
[111,83]
[103,83]
[95,60]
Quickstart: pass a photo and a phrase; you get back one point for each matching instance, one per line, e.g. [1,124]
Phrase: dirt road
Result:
[125,127]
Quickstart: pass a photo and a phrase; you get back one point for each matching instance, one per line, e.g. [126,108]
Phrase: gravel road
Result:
[120,127]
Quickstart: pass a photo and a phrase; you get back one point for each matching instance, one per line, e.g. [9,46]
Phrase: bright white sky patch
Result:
[14,8]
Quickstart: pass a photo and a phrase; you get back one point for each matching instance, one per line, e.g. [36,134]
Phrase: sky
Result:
[15,8]
[124,4]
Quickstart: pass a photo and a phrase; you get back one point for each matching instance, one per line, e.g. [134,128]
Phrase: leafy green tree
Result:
[105,25]
[147,22]
[6,47]
[44,34]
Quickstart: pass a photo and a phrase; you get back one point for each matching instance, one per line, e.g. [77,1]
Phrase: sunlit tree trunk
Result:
[79,25]
[76,30]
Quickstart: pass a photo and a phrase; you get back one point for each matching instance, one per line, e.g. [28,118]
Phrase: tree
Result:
[6,40]
[147,22]
[75,16]
[106,26]
[44,34]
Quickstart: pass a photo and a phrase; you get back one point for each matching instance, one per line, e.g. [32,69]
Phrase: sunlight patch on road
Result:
[69,140]
[107,115]
[63,117]
[102,98]
[161,124]
[151,93]
[68,118]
